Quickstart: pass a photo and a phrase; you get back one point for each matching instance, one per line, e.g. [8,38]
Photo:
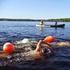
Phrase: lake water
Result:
[13,30]
[17,30]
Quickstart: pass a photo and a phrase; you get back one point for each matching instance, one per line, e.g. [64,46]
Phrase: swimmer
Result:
[41,51]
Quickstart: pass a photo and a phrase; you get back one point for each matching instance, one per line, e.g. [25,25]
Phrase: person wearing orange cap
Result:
[42,51]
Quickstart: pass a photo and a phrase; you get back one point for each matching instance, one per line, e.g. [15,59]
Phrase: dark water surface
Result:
[12,31]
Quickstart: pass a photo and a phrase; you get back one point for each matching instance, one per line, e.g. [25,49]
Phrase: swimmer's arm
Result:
[38,46]
[63,44]
[60,44]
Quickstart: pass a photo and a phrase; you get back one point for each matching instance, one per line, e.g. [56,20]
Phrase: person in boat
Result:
[56,23]
[41,23]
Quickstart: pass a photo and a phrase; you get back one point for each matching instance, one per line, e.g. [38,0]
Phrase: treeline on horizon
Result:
[60,20]
[49,20]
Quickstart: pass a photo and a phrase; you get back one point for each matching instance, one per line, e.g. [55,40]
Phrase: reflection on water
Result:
[41,28]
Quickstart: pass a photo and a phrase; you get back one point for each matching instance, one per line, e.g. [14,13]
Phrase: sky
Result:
[35,9]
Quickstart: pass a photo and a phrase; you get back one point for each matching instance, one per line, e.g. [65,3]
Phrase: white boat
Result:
[40,25]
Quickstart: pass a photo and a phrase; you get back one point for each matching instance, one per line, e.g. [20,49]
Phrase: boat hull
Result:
[61,25]
[40,25]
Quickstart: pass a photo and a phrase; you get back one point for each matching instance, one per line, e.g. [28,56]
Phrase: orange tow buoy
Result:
[48,39]
[8,47]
